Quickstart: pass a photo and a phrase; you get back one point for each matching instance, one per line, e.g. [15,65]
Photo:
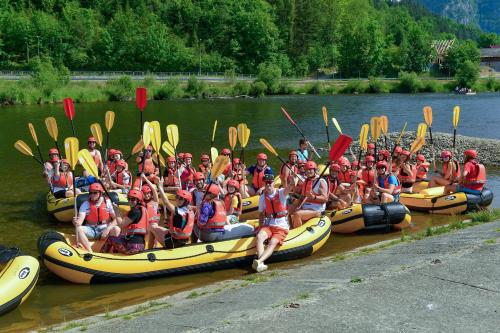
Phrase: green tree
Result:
[488,39]
[461,52]
[467,74]
[416,49]
[270,74]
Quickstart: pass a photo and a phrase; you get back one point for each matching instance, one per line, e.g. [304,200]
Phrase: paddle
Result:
[213,153]
[375,130]
[173,138]
[136,149]
[220,164]
[69,110]
[141,100]
[428,120]
[422,130]
[233,134]
[271,149]
[156,141]
[337,126]
[96,131]
[109,120]
[146,139]
[243,137]
[384,126]
[24,149]
[363,139]
[51,124]
[71,146]
[398,140]
[456,117]
[417,144]
[35,139]
[168,149]
[88,163]
[213,138]
[325,119]
[300,131]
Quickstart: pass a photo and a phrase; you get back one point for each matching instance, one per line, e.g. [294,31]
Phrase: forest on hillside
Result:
[297,37]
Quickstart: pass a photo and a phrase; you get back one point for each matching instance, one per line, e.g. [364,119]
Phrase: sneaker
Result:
[261,267]
[255,264]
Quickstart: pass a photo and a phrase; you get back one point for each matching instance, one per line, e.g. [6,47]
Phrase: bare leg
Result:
[261,238]
[83,239]
[269,250]
[386,197]
[303,215]
[438,181]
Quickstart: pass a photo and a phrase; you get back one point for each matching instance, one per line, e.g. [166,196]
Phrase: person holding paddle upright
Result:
[62,180]
[407,172]
[95,153]
[474,177]
[449,173]
[257,172]
[286,169]
[49,165]
[302,152]
[205,165]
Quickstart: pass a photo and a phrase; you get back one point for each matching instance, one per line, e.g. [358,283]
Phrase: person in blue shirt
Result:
[387,184]
[302,152]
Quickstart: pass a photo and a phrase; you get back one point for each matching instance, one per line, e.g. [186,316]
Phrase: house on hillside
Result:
[491,57]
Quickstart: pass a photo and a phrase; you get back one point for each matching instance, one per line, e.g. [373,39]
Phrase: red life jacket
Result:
[172,179]
[456,174]
[368,176]
[422,170]
[345,177]
[149,166]
[307,188]
[397,188]
[184,233]
[284,168]
[477,180]
[227,202]
[405,178]
[258,177]
[204,170]
[119,178]
[217,221]
[274,208]
[97,215]
[332,185]
[65,180]
[111,165]
[141,227]
[152,213]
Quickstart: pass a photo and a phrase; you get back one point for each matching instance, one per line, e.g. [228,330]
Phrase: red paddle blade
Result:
[69,108]
[340,146]
[141,98]
[287,115]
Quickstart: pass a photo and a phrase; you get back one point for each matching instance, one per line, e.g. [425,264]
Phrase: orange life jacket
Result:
[65,180]
[285,168]
[172,178]
[274,208]
[204,169]
[422,170]
[152,213]
[368,176]
[149,166]
[181,233]
[218,220]
[258,177]
[119,178]
[97,215]
[345,177]
[397,188]
[332,185]
[141,227]
[456,174]
[307,188]
[111,165]
[227,202]
[405,178]
[478,180]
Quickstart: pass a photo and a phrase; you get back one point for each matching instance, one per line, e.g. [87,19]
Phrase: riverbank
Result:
[396,285]
[54,90]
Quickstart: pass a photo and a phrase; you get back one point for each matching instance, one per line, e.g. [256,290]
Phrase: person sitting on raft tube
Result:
[171,180]
[337,199]
[198,191]
[273,221]
[314,192]
[187,172]
[450,172]
[383,155]
[387,184]
[117,156]
[285,171]
[237,173]
[366,179]
[205,165]
[257,172]
[48,166]
[370,149]
[407,172]
[355,166]
[110,162]
[302,152]
[422,167]
[121,178]
[395,158]
[145,163]
[62,180]
[474,177]
[95,153]
[212,224]
[233,201]
[132,227]
[96,218]
[345,170]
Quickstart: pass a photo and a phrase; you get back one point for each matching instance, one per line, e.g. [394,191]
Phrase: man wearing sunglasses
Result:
[146,162]
[387,184]
[95,153]
[48,166]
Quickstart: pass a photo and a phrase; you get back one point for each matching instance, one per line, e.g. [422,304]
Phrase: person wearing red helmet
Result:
[314,193]
[96,218]
[225,152]
[336,197]
[187,171]
[450,172]
[171,180]
[117,156]
[387,184]
[233,201]
[355,166]
[151,199]
[110,161]
[121,178]
[383,155]
[95,153]
[62,180]
[289,168]
[407,172]
[146,163]
[48,166]
[422,167]
[301,165]
[205,165]
[198,191]
[367,179]
[212,224]
[273,221]
[345,172]
[370,149]
[257,172]
[132,227]
[237,173]
[473,179]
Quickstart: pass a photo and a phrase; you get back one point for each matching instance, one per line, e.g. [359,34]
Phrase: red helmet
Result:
[181,155]
[135,194]
[370,146]
[146,189]
[111,153]
[445,153]
[471,153]
[96,187]
[225,151]
[368,158]
[335,167]
[262,156]
[398,150]
[381,164]
[199,176]
[293,153]
[116,151]
[213,189]
[65,161]
[384,152]
[405,153]
[121,163]
[234,183]
[420,158]
[170,159]
[236,161]
[53,151]
[344,162]
[188,155]
[355,163]
[186,195]
[204,157]
[311,165]
[91,139]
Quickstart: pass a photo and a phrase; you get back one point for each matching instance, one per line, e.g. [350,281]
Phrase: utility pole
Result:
[199,49]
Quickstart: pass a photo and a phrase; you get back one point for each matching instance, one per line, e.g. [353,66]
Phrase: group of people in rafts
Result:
[209,211]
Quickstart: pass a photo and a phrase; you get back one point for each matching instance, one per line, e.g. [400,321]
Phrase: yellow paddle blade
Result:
[337,126]
[88,163]
[268,146]
[51,124]
[146,134]
[417,144]
[241,133]
[162,160]
[325,115]
[71,147]
[213,131]
[95,128]
[109,120]
[173,135]
[403,130]
[33,133]
[168,149]
[363,137]
[23,148]
[246,137]
[456,116]
[375,127]
[137,147]
[156,136]
[214,153]
[220,164]
[233,134]
[422,130]
[384,124]
[428,115]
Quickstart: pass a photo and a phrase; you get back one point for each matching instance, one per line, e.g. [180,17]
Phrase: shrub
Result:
[330,89]
[241,88]
[431,86]
[169,90]
[287,89]
[467,74]
[409,83]
[492,84]
[376,86]
[46,77]
[315,89]
[120,89]
[258,89]
[149,81]
[195,87]
[270,74]
[353,87]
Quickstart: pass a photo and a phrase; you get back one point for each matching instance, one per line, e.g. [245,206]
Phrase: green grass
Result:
[490,241]
[356,279]
[256,278]
[303,295]
[485,215]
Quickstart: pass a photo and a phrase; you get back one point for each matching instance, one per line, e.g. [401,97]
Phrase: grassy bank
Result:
[30,91]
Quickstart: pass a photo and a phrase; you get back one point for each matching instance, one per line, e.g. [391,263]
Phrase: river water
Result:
[22,208]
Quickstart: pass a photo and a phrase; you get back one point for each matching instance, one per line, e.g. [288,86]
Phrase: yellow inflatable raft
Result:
[434,201]
[18,276]
[63,209]
[79,266]
[371,218]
